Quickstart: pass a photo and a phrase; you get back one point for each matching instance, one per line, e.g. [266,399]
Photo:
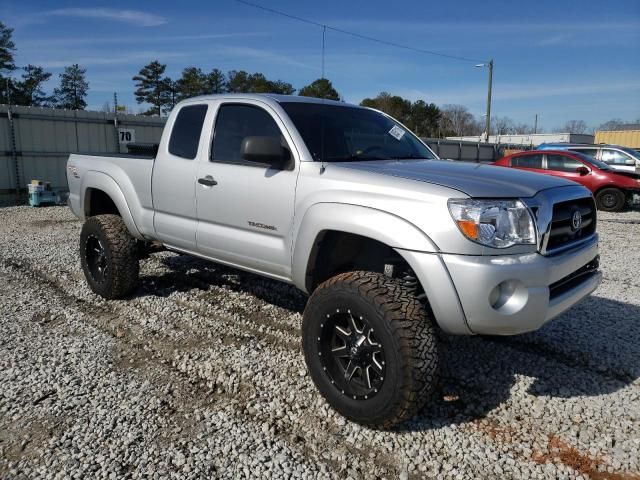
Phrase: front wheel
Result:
[370,347]
[610,200]
[109,256]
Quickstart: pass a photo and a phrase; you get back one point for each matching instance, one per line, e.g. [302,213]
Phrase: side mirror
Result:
[630,162]
[267,150]
[582,170]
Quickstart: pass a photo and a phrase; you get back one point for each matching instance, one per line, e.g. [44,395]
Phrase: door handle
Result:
[207,181]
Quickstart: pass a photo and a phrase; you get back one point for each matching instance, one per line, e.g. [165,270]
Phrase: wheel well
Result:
[337,252]
[98,202]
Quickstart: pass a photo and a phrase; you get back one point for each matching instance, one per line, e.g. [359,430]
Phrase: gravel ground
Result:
[200,375]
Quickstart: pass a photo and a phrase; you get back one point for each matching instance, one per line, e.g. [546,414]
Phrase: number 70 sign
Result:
[126,135]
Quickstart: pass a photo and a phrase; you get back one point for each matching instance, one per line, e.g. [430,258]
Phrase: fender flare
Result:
[379,225]
[104,182]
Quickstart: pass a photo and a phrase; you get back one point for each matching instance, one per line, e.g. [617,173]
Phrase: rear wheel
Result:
[370,348]
[610,200]
[109,256]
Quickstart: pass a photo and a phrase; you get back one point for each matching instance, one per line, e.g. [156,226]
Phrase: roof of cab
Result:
[269,97]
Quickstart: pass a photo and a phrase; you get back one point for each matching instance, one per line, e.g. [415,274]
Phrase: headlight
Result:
[494,223]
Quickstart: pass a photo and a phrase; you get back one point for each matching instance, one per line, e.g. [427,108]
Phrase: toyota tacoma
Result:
[391,244]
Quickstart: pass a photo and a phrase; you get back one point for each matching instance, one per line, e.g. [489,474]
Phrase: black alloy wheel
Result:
[109,256]
[96,259]
[370,347]
[350,354]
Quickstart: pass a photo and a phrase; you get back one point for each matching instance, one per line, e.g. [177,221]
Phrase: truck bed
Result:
[125,173]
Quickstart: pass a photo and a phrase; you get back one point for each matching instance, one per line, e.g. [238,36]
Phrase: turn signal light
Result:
[469,228]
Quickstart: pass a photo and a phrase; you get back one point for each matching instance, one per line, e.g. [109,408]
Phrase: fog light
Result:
[508,296]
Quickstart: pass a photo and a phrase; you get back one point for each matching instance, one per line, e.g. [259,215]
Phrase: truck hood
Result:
[474,179]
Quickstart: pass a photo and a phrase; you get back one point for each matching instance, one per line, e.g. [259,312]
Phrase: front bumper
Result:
[507,294]
[511,294]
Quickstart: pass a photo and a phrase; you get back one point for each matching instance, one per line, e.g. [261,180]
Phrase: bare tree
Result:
[502,126]
[522,128]
[458,120]
[613,124]
[573,126]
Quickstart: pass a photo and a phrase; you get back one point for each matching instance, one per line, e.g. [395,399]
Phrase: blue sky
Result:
[560,59]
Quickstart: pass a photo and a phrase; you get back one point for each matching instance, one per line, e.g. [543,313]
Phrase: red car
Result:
[613,189]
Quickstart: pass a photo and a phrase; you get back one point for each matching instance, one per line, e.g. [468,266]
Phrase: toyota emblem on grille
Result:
[576,220]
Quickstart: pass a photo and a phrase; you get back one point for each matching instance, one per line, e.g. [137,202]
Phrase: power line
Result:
[356,35]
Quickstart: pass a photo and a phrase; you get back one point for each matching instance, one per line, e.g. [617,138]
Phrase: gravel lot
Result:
[200,375]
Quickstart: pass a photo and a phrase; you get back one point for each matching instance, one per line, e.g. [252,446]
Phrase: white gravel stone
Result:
[200,375]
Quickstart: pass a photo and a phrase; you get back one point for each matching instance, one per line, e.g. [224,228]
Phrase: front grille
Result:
[574,279]
[562,232]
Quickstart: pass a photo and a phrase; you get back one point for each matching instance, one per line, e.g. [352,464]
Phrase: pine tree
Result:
[152,86]
[243,82]
[73,88]
[320,88]
[7,65]
[7,48]
[170,94]
[192,83]
[29,91]
[216,82]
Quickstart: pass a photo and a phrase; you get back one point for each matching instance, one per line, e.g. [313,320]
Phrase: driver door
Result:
[245,209]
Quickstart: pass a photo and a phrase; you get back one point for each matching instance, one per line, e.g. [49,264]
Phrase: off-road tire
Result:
[403,327]
[610,200]
[120,252]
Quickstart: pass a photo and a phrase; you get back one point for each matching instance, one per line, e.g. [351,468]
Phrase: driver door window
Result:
[233,124]
[560,163]
[614,157]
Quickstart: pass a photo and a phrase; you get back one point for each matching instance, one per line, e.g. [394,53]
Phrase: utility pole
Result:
[535,125]
[487,128]
[488,119]
[115,120]
[12,138]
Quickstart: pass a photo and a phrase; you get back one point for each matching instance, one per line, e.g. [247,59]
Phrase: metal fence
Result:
[465,151]
[35,142]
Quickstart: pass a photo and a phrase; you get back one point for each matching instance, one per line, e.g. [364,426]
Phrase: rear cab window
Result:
[527,161]
[185,134]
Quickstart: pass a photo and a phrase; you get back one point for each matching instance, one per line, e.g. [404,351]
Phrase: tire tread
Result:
[124,255]
[410,323]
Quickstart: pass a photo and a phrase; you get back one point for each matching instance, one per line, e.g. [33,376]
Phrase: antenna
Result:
[324,31]
[323,167]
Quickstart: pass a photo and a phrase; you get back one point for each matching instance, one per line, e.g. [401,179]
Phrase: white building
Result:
[530,140]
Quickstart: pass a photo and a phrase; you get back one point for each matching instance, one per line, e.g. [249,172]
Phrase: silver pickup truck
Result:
[345,203]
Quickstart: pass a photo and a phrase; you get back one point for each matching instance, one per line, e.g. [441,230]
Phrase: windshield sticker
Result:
[396,132]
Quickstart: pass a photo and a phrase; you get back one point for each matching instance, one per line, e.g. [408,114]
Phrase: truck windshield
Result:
[335,133]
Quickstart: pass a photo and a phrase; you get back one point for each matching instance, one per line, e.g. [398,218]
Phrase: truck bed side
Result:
[98,183]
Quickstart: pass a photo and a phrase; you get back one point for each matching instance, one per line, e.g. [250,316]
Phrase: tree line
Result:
[28,88]
[161,93]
